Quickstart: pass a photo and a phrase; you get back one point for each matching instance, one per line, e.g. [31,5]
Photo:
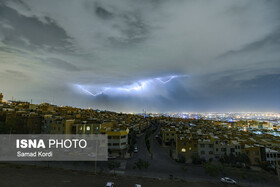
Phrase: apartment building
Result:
[46,124]
[169,135]
[186,147]
[255,153]
[206,149]
[272,157]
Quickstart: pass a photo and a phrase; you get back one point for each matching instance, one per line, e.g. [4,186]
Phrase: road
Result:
[15,175]
[161,164]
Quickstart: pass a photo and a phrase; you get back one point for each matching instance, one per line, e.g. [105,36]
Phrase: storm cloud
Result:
[226,52]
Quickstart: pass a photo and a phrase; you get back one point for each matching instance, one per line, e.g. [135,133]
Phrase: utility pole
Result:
[95,162]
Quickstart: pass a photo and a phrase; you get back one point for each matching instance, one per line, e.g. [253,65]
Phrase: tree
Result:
[4,129]
[141,164]
[148,145]
[243,158]
[114,165]
[232,158]
[197,160]
[182,159]
[211,169]
[132,140]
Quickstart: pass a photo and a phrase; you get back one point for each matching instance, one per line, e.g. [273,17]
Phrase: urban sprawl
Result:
[237,138]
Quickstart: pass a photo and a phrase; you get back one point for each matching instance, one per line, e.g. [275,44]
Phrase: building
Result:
[46,124]
[61,126]
[117,133]
[226,147]
[255,153]
[272,157]
[168,135]
[117,137]
[118,141]
[186,148]
[86,127]
[34,123]
[206,149]
[266,125]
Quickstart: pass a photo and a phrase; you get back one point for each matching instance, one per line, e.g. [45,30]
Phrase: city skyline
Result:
[180,114]
[158,56]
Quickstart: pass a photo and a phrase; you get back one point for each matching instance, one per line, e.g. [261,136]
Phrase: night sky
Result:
[130,55]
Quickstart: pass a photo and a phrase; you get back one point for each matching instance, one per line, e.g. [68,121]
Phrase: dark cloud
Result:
[58,63]
[271,41]
[14,75]
[102,12]
[30,32]
[12,50]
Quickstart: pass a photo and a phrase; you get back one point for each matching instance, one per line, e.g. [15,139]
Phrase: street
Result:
[15,175]
[161,164]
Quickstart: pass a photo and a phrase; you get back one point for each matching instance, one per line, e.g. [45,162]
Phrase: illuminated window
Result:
[183,150]
[88,128]
[81,128]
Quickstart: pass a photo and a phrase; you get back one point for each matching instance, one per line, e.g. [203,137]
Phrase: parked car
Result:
[135,149]
[228,180]
[109,184]
[137,185]
[112,157]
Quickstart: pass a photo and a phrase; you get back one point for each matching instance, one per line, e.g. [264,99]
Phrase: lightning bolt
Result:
[135,87]
[168,80]
[89,92]
[138,87]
